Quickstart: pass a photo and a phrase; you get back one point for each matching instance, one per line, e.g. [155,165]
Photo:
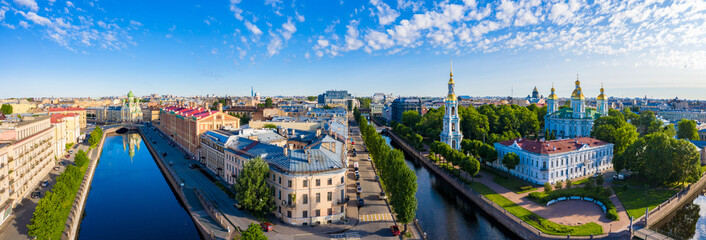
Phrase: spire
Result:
[451,72]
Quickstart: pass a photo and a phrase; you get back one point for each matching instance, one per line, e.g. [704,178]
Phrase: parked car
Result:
[56,168]
[45,183]
[357,184]
[619,176]
[266,227]
[237,205]
[596,175]
[36,194]
[356,169]
[377,178]
[383,196]
[357,176]
[68,155]
[359,190]
[192,166]
[395,230]
[71,151]
[361,202]
[171,163]
[164,154]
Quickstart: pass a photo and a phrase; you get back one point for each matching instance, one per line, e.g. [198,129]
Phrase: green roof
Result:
[568,113]
[130,94]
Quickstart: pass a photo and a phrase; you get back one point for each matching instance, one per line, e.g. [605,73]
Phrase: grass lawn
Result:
[513,184]
[636,199]
[582,181]
[538,222]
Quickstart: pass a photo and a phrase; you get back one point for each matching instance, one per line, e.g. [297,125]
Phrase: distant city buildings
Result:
[338,98]
[129,111]
[401,105]
[451,134]
[559,160]
[575,121]
[81,112]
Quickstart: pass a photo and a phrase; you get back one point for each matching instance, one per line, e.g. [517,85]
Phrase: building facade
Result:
[451,134]
[575,121]
[184,125]
[129,111]
[400,105]
[559,160]
[307,169]
[81,112]
[27,154]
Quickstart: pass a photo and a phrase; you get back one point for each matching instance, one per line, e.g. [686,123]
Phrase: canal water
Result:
[130,199]
[444,214]
[689,222]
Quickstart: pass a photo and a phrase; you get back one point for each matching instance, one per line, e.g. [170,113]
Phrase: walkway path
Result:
[570,213]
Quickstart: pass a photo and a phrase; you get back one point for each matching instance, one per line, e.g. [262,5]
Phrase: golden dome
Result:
[577,94]
[553,95]
[601,96]
[451,97]
[451,81]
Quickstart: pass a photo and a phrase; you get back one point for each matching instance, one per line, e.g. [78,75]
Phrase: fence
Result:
[511,222]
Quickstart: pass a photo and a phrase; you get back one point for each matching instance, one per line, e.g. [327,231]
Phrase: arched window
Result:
[453,110]
[453,143]
[453,126]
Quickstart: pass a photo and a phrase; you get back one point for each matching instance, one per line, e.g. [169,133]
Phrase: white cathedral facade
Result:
[451,134]
[577,120]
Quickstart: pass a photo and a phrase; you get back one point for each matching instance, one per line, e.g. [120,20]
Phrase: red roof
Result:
[58,116]
[554,147]
[61,109]
[190,112]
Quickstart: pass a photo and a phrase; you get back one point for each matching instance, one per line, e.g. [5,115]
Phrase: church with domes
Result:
[577,120]
[128,111]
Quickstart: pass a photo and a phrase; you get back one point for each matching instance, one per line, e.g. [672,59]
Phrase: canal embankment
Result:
[511,222]
[674,203]
[74,220]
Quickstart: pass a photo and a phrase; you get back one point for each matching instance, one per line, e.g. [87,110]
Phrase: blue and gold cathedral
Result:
[451,134]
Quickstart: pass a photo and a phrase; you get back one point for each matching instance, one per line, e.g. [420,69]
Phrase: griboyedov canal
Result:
[129,197]
[443,214]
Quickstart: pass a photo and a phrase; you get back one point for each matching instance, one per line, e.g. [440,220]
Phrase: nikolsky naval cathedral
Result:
[451,134]
[577,120]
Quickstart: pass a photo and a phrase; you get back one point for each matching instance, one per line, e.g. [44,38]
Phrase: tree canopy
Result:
[251,189]
[687,130]
[511,160]
[254,232]
[6,109]
[268,102]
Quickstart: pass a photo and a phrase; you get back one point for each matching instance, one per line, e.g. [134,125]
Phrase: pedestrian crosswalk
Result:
[376,217]
[346,236]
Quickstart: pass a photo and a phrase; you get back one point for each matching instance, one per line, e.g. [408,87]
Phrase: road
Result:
[15,227]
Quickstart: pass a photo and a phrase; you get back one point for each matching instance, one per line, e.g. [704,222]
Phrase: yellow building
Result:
[81,113]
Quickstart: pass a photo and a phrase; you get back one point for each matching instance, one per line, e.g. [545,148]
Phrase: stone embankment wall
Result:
[511,222]
[74,220]
[674,203]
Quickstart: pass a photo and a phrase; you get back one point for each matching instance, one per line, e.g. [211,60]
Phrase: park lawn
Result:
[582,181]
[514,184]
[535,220]
[636,199]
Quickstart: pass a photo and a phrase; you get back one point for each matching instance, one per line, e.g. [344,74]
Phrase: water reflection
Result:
[445,214]
[686,223]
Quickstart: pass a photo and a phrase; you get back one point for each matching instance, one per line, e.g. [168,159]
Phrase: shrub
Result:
[612,214]
[625,187]
[588,186]
[568,183]
[558,185]
[599,180]
[547,187]
[525,188]
[535,195]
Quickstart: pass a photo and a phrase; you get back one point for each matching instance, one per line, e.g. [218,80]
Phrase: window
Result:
[342,209]
[279,194]
[306,198]
[318,197]
[305,214]
[289,214]
[330,181]
[280,180]
[329,197]
[289,183]
[342,180]
[318,212]
[306,183]
[318,182]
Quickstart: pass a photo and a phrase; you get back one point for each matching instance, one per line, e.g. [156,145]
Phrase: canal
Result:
[689,222]
[129,197]
[444,214]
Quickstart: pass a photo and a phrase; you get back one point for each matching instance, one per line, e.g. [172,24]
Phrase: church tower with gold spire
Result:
[451,134]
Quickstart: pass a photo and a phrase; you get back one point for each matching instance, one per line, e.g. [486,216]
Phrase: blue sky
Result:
[105,48]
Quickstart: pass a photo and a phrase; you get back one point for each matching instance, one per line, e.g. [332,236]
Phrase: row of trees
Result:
[399,180]
[478,149]
[467,163]
[95,137]
[251,190]
[409,135]
[487,123]
[644,146]
[53,209]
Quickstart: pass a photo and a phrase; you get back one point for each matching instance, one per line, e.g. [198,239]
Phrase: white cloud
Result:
[385,14]
[31,4]
[252,28]
[237,12]
[214,51]
[352,40]
[275,45]
[307,55]
[470,3]
[135,23]
[273,3]
[24,24]
[33,17]
[560,13]
[288,29]
[3,9]
[322,43]
[69,4]
[300,18]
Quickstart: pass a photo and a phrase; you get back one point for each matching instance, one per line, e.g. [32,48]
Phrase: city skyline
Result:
[80,49]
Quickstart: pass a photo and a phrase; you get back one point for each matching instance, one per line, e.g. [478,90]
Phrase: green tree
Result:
[6,109]
[474,125]
[547,187]
[403,199]
[312,98]
[81,159]
[268,102]
[687,130]
[410,118]
[510,161]
[364,102]
[251,191]
[254,232]
[270,126]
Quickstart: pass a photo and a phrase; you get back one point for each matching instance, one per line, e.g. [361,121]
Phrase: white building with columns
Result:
[559,160]
[451,134]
